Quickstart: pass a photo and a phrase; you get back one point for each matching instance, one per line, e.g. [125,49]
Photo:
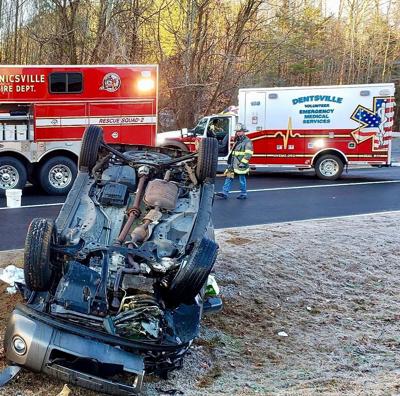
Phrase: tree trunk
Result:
[15,49]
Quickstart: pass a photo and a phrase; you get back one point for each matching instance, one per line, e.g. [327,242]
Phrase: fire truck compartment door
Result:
[138,122]
[60,121]
[126,122]
[107,116]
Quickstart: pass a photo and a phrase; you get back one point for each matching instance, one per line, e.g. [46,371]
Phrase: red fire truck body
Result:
[323,127]
[44,111]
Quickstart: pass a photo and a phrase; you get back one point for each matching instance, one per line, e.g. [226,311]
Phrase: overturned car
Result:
[119,282]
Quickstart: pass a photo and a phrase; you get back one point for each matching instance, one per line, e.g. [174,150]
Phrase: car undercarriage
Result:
[116,286]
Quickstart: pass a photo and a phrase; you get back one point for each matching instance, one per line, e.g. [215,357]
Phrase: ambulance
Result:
[44,111]
[324,127]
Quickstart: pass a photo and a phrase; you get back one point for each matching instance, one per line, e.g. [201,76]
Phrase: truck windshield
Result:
[200,127]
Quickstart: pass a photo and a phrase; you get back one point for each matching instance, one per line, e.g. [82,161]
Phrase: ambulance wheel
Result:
[193,273]
[207,159]
[38,271]
[91,141]
[13,174]
[329,167]
[57,175]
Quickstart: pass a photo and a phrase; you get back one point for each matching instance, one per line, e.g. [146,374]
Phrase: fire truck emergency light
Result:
[319,143]
[145,84]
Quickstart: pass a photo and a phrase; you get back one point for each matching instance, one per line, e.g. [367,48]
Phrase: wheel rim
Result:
[9,176]
[329,167]
[60,176]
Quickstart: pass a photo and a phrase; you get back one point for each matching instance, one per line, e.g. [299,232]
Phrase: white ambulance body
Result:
[322,127]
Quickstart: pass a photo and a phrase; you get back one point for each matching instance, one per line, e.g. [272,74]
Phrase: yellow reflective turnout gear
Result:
[240,156]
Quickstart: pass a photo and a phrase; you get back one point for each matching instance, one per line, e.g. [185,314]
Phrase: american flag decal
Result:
[376,124]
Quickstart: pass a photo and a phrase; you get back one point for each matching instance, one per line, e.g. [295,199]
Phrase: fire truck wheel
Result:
[38,270]
[329,167]
[57,175]
[13,174]
[207,160]
[92,138]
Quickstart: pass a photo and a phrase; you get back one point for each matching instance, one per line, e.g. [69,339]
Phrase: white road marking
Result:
[254,190]
[11,250]
[319,186]
[35,206]
[314,219]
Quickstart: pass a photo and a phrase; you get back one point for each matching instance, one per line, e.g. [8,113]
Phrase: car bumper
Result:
[71,357]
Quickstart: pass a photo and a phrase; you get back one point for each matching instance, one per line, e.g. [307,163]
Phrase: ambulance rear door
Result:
[252,109]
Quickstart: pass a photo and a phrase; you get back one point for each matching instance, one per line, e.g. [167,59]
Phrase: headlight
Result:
[19,345]
[145,84]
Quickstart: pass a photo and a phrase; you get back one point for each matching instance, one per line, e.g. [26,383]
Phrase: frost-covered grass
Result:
[331,285]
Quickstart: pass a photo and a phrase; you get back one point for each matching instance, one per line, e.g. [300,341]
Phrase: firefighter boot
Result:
[221,195]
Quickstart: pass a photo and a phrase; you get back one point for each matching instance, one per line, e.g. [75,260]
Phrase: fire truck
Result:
[321,127]
[44,111]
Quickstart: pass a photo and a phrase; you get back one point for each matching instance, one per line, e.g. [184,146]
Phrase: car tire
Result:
[329,167]
[38,270]
[207,160]
[13,174]
[91,141]
[57,175]
[193,273]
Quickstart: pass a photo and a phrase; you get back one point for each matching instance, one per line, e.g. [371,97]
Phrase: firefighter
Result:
[214,128]
[238,163]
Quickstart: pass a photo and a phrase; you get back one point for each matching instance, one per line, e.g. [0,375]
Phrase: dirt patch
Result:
[14,257]
[238,241]
[330,285]
[8,302]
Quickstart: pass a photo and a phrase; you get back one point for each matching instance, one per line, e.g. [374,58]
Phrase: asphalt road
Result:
[273,197]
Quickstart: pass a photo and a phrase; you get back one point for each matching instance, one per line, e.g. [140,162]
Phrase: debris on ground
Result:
[65,391]
[10,275]
[7,374]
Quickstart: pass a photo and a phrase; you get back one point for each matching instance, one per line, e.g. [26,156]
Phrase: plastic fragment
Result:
[212,288]
[10,275]
[65,391]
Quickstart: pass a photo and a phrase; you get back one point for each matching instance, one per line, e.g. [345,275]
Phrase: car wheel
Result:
[207,160]
[38,271]
[13,174]
[192,273]
[329,167]
[91,141]
[57,175]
